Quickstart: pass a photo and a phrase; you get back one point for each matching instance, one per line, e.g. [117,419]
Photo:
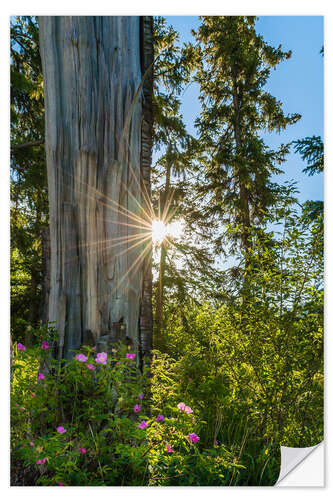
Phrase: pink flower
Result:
[83,450]
[130,355]
[169,449]
[21,347]
[140,396]
[94,348]
[41,376]
[159,418]
[143,425]
[101,358]
[45,344]
[193,438]
[188,409]
[41,461]
[137,408]
[81,357]
[60,484]
[90,367]
[181,406]
[216,442]
[32,443]
[118,363]
[61,429]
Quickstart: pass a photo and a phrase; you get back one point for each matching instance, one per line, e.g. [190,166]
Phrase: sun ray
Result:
[142,237]
[139,205]
[120,208]
[167,205]
[139,257]
[131,247]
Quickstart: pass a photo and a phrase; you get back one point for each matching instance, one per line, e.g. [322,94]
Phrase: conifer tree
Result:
[181,262]
[236,63]
[29,201]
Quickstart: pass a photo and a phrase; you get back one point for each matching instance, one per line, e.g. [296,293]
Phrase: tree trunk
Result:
[243,193]
[160,286]
[45,235]
[147,59]
[98,158]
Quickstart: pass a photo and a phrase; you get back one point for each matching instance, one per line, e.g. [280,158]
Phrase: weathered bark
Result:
[94,108]
[147,58]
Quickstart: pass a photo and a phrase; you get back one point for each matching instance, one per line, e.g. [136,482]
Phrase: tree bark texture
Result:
[98,158]
[147,59]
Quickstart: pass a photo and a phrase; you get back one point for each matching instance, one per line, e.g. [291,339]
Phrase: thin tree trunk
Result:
[160,298]
[45,235]
[243,194]
[96,160]
[160,286]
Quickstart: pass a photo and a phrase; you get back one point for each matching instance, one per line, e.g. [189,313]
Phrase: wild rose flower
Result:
[41,376]
[32,443]
[83,450]
[193,438]
[41,461]
[101,358]
[21,347]
[169,449]
[61,429]
[45,344]
[159,418]
[90,366]
[140,396]
[181,406]
[188,409]
[143,425]
[137,408]
[81,357]
[130,355]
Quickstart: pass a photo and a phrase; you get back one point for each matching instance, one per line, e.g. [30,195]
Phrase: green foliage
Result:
[173,180]
[29,210]
[102,444]
[311,150]
[256,362]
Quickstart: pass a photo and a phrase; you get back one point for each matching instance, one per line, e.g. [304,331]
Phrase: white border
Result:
[131,7]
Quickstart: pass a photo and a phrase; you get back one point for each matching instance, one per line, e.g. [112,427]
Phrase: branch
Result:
[27,144]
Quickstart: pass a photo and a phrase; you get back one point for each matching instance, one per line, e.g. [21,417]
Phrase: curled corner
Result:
[292,457]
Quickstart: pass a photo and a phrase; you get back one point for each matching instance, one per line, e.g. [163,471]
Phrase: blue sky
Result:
[298,83]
